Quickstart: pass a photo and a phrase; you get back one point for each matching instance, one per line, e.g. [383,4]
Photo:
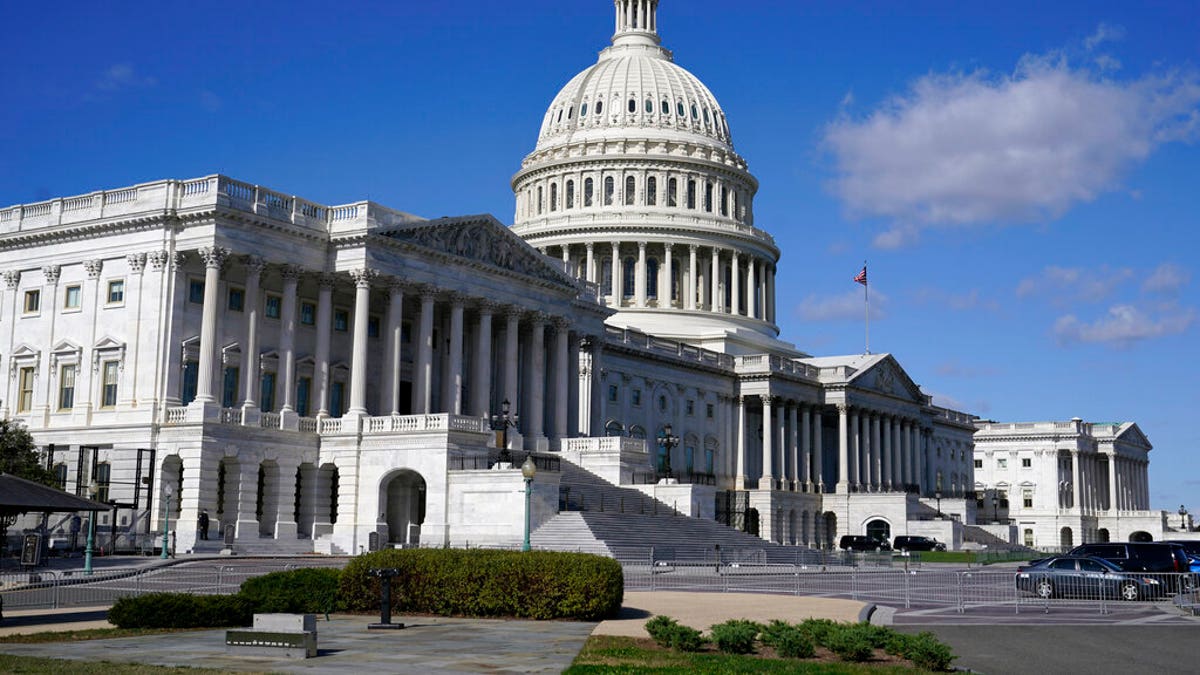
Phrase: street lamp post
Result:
[93,488]
[938,496]
[667,441]
[528,469]
[1183,518]
[167,492]
[501,423]
[996,507]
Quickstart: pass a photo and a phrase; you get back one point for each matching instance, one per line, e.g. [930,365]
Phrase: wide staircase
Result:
[624,523]
[978,535]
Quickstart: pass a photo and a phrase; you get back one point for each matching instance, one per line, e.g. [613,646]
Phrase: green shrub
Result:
[666,632]
[926,651]
[479,582]
[736,636]
[299,591]
[773,630]
[181,610]
[878,636]
[819,630]
[793,643]
[898,645]
[851,643]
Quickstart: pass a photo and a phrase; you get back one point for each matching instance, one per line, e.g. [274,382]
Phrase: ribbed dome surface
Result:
[633,88]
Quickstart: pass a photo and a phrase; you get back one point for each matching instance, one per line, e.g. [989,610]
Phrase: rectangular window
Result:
[308,313]
[1026,463]
[373,326]
[274,306]
[337,398]
[33,302]
[108,392]
[612,393]
[708,412]
[25,390]
[116,292]
[103,481]
[303,387]
[1001,463]
[71,299]
[60,476]
[689,459]
[267,396]
[1027,499]
[636,397]
[196,291]
[191,370]
[979,464]
[691,407]
[341,320]
[237,300]
[229,385]
[66,387]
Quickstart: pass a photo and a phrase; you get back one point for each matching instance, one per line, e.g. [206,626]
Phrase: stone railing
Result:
[771,363]
[411,423]
[231,415]
[558,220]
[308,425]
[675,348]
[176,415]
[606,444]
[269,420]
[209,191]
[329,425]
[1045,427]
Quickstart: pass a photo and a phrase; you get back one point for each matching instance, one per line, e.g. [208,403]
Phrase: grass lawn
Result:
[611,654]
[968,557]
[89,634]
[10,663]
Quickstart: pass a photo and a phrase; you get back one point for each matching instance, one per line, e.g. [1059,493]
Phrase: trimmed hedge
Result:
[299,591]
[480,582]
[735,636]
[666,632]
[181,610]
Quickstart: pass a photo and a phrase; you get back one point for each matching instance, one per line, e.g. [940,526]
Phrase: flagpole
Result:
[867,308]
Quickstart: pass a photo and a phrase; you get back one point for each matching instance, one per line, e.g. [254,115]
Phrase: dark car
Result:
[1151,557]
[1083,577]
[915,543]
[1192,548]
[861,542]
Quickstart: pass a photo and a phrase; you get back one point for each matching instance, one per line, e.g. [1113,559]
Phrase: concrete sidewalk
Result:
[701,610]
[26,621]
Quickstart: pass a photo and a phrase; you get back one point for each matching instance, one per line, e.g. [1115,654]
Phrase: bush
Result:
[479,582]
[851,643]
[793,643]
[736,636]
[666,632]
[819,630]
[772,631]
[300,591]
[926,651]
[181,610]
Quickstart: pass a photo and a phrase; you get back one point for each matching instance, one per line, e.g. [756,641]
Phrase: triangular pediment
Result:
[1133,435]
[108,342]
[25,351]
[888,378]
[65,347]
[482,240]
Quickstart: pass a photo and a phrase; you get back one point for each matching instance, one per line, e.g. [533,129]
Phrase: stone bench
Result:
[292,636]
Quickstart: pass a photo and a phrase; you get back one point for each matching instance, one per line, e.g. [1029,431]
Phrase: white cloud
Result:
[1104,33]
[1167,278]
[963,301]
[123,76]
[848,305]
[956,369]
[1124,325]
[1068,285]
[965,149]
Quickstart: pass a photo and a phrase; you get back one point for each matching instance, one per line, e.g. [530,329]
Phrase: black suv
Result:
[916,543]
[1150,557]
[861,542]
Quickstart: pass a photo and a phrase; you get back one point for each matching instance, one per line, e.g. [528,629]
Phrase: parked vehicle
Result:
[1083,577]
[1192,548]
[917,543]
[1153,557]
[861,542]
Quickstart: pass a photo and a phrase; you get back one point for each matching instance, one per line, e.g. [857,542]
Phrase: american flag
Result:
[861,277]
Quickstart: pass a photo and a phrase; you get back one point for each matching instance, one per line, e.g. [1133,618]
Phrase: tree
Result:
[20,457]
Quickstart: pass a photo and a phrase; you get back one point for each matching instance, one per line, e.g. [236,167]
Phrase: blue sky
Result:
[1021,176]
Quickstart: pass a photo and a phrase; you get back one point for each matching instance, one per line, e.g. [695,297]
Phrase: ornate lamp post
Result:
[667,441]
[995,507]
[528,469]
[168,491]
[937,494]
[93,488]
[1183,518]
[501,423]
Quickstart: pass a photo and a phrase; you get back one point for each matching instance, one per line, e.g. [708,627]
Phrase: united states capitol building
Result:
[332,377]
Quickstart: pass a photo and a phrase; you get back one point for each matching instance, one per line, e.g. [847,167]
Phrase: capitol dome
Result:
[635,185]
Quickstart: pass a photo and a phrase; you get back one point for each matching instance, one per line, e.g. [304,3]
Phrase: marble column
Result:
[751,289]
[818,456]
[394,349]
[740,476]
[876,453]
[590,266]
[481,380]
[793,446]
[692,287]
[452,400]
[423,385]
[854,451]
[511,359]
[214,257]
[806,476]
[615,282]
[562,374]
[735,299]
[639,279]
[324,324]
[287,337]
[843,482]
[358,355]
[885,432]
[665,278]
[537,378]
[250,357]
[1075,479]
[714,302]
[768,446]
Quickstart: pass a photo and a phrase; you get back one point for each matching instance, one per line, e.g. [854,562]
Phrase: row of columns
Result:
[795,428]
[701,283]
[879,451]
[1097,482]
[452,376]
[591,190]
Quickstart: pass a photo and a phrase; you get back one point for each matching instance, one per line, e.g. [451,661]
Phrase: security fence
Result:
[53,589]
[962,590]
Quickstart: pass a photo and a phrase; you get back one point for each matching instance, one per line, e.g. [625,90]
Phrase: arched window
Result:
[570,112]
[632,106]
[737,205]
[724,201]
[708,195]
[652,278]
[559,120]
[630,190]
[539,200]
[606,274]
[583,110]
[599,107]
[666,107]
[588,189]
[614,428]
[651,191]
[554,196]
[695,113]
[649,106]
[691,194]
[570,194]
[672,191]
[679,109]
[629,277]
[609,189]
[706,115]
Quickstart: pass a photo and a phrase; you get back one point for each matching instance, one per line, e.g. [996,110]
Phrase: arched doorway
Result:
[1102,535]
[1141,535]
[879,530]
[403,494]
[830,529]
[752,521]
[1066,538]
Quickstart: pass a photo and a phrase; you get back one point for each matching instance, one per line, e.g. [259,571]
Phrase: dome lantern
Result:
[637,22]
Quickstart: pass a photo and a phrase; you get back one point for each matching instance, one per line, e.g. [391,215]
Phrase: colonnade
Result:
[794,427]
[880,451]
[1104,481]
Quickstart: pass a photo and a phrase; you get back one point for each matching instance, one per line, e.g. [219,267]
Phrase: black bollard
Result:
[385,599]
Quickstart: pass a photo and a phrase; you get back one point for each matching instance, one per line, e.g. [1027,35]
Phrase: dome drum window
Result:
[599,107]
[570,194]
[588,189]
[632,105]
[672,192]
[666,107]
[630,190]
[679,109]
[651,191]
[609,190]
[695,112]
[554,196]
[583,110]
[649,106]
[691,194]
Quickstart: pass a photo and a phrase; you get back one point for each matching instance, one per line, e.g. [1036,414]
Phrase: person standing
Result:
[202,524]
